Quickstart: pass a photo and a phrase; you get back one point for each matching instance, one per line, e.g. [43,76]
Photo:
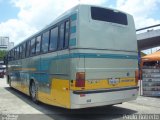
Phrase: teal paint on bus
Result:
[72,42]
[73,29]
[74,17]
[95,55]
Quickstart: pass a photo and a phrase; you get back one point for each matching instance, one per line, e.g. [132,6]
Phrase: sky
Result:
[21,18]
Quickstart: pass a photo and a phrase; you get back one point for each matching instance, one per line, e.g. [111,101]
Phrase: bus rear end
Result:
[104,58]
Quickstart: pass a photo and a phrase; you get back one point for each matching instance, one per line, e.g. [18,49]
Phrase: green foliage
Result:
[2,54]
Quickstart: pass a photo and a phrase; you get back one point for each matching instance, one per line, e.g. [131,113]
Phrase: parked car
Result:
[1,73]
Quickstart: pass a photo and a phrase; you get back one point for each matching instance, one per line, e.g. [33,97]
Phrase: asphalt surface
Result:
[15,105]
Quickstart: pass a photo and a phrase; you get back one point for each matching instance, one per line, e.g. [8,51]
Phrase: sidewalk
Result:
[3,82]
[147,101]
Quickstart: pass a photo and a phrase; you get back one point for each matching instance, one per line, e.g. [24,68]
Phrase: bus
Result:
[87,57]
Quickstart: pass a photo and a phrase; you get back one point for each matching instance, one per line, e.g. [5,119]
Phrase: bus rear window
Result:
[108,15]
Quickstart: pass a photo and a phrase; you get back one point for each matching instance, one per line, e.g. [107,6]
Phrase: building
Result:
[11,45]
[5,44]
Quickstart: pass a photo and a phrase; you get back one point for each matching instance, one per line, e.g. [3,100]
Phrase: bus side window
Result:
[17,52]
[12,54]
[28,48]
[20,51]
[9,56]
[66,42]
[5,60]
[64,35]
[23,49]
[38,44]
[33,47]
[61,36]
[45,42]
[53,39]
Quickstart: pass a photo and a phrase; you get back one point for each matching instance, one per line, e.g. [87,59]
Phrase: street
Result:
[17,105]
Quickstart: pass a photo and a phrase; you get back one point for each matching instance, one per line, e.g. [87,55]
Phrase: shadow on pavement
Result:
[57,113]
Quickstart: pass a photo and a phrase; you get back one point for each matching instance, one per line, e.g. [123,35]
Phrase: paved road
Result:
[16,105]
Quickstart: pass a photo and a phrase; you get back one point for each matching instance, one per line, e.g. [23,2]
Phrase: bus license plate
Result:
[113,81]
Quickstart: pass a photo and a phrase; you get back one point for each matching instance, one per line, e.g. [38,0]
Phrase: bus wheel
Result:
[33,92]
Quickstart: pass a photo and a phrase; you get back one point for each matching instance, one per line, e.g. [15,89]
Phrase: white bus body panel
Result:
[105,35]
[99,37]
[102,99]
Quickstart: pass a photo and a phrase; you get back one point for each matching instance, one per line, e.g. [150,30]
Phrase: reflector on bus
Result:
[80,79]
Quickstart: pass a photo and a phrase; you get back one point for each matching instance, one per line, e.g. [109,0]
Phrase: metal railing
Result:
[148,27]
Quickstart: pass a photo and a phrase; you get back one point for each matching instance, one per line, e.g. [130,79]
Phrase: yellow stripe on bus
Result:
[60,89]
[21,87]
[25,69]
[104,84]
[59,96]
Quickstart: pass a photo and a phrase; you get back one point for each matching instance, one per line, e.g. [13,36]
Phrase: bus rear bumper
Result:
[87,99]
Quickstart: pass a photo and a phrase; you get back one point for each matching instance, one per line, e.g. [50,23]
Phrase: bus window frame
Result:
[66,47]
[14,53]
[17,53]
[28,48]
[11,55]
[24,44]
[39,52]
[20,51]
[32,53]
[60,45]
[28,41]
[55,26]
[45,31]
[64,22]
[8,55]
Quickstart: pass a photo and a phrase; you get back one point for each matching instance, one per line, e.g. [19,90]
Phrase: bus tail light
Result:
[80,79]
[82,95]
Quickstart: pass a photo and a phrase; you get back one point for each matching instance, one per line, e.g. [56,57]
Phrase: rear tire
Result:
[33,92]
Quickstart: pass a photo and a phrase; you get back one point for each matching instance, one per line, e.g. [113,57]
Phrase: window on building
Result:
[53,39]
[45,42]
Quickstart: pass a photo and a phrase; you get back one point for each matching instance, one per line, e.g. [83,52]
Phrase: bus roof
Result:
[63,16]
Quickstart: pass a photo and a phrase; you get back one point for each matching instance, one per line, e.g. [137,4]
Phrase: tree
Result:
[2,54]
